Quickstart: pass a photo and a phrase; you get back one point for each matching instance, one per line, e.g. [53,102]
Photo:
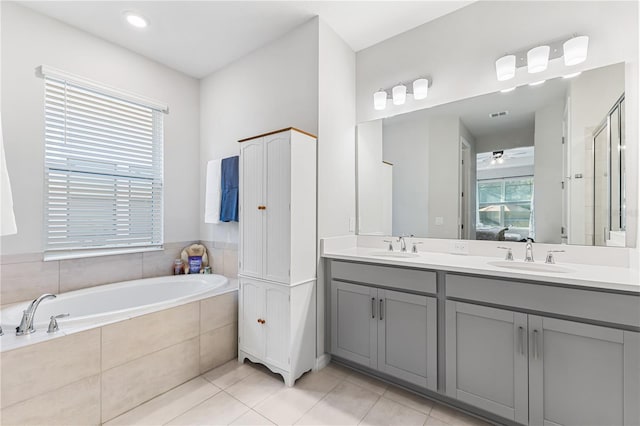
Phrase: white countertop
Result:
[590,276]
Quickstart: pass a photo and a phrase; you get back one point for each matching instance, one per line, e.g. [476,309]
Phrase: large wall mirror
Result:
[543,162]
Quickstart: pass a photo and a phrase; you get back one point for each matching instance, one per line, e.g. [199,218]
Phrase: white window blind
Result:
[103,171]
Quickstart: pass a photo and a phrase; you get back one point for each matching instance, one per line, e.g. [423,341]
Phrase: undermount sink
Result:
[401,254]
[530,266]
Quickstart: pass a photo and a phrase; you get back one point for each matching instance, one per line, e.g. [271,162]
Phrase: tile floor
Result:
[249,394]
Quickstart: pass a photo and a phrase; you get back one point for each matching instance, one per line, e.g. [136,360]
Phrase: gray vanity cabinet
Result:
[541,371]
[486,359]
[354,326]
[389,331]
[582,374]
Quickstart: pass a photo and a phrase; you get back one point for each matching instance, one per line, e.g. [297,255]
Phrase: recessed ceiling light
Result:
[537,83]
[135,20]
[575,74]
[510,89]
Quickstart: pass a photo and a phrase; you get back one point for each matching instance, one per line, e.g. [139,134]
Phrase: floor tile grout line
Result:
[193,407]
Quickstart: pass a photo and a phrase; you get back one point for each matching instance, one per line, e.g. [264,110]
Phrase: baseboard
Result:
[322,361]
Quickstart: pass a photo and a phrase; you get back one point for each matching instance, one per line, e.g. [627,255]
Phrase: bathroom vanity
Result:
[512,345]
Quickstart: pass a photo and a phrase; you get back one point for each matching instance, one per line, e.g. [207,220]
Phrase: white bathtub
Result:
[97,306]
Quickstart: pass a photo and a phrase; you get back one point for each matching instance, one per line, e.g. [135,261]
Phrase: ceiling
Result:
[200,37]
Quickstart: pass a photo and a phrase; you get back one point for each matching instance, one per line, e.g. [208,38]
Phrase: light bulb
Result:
[380,100]
[506,67]
[537,83]
[420,88]
[538,59]
[575,50]
[399,94]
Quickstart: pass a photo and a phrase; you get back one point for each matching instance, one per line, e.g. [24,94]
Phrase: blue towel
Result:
[229,187]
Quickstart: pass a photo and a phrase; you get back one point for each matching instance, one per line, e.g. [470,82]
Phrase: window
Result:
[103,171]
[506,202]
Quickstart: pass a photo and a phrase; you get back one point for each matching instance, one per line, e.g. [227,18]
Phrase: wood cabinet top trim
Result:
[278,131]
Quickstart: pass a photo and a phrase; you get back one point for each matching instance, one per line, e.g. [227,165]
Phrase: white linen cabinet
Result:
[277,256]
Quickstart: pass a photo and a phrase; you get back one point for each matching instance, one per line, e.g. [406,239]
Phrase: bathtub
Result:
[105,304]
[122,344]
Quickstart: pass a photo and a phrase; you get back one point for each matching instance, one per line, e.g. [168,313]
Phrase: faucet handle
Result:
[509,255]
[53,323]
[390,244]
[414,249]
[550,259]
[1,332]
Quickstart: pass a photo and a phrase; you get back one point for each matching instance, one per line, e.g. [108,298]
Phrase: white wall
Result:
[547,176]
[591,96]
[406,146]
[444,143]
[336,149]
[274,87]
[516,138]
[30,40]
[370,179]
[458,51]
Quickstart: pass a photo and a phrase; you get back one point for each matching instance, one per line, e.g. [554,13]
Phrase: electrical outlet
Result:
[458,247]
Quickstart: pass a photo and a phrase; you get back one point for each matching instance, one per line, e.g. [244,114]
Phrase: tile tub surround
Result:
[26,276]
[249,394]
[92,376]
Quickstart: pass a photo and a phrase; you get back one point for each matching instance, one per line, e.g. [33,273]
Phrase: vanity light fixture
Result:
[135,19]
[506,67]
[497,157]
[380,100]
[573,50]
[398,94]
[510,89]
[537,83]
[538,59]
[420,88]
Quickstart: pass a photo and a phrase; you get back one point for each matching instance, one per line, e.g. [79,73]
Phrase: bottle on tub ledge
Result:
[194,260]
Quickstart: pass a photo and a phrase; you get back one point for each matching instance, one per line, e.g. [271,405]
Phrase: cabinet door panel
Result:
[251,310]
[354,323]
[487,359]
[407,337]
[277,195]
[276,327]
[251,218]
[576,373]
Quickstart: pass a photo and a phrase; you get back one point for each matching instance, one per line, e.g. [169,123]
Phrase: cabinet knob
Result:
[262,207]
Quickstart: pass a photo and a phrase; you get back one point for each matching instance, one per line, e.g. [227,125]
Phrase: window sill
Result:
[81,254]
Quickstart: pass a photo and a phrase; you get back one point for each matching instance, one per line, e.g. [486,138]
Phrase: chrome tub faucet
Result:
[26,325]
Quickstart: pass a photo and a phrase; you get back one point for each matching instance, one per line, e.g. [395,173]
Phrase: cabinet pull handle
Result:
[381,309]
[262,207]
[521,339]
[535,344]
[373,307]
[261,321]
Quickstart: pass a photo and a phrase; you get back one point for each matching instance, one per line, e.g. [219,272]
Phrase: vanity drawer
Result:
[400,278]
[612,308]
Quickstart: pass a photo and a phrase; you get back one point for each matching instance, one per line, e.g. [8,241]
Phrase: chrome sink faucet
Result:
[528,254]
[403,244]
[26,325]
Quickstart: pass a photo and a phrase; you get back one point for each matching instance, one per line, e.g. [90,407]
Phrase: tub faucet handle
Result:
[390,244]
[53,323]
